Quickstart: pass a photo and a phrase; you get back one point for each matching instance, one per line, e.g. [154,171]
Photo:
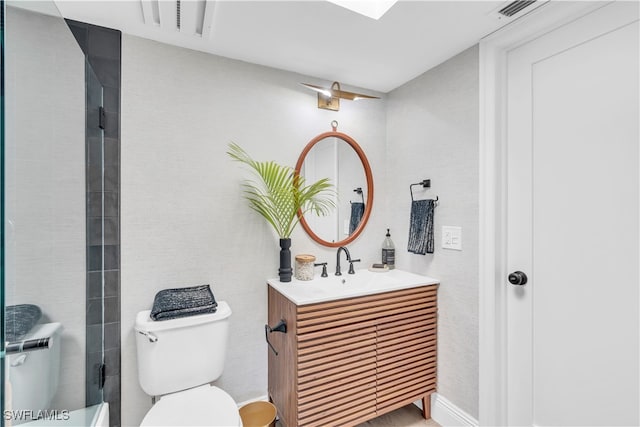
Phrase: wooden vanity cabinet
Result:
[346,361]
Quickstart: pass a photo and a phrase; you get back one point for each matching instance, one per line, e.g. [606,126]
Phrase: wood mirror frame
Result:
[369,177]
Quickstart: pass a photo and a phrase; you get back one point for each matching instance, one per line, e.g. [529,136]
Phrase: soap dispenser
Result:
[389,252]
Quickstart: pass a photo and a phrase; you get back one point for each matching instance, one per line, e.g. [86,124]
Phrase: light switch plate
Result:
[452,237]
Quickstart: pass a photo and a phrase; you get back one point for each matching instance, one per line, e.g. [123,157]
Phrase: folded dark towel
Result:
[357,210]
[181,302]
[421,227]
[19,319]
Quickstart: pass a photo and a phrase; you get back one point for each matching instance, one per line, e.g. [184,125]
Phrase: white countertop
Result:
[364,282]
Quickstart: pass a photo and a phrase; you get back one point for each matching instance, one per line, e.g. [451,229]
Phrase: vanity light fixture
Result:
[329,99]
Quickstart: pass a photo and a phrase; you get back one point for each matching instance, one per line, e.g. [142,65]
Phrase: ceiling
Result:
[315,38]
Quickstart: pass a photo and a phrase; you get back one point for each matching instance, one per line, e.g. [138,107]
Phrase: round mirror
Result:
[337,156]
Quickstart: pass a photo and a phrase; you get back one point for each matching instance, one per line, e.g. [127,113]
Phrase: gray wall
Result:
[184,221]
[432,132]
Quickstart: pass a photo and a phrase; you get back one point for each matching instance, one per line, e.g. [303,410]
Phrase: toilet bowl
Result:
[177,361]
[201,406]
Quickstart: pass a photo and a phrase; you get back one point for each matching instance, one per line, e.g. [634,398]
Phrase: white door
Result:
[573,223]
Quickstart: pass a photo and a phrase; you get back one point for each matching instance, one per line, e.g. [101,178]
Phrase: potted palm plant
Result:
[280,197]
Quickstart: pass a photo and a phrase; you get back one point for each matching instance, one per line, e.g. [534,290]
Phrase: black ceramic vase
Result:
[285,260]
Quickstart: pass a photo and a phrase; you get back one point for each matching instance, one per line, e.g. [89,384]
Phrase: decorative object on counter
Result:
[388,252]
[351,157]
[19,319]
[281,197]
[329,98]
[304,267]
[379,268]
[421,240]
[284,271]
[181,302]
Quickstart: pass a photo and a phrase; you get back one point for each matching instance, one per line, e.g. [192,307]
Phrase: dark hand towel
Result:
[421,227]
[19,319]
[357,210]
[181,302]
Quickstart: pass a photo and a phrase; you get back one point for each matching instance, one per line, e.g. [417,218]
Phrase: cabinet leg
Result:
[426,406]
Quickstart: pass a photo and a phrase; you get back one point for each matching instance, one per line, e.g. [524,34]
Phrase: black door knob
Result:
[518,278]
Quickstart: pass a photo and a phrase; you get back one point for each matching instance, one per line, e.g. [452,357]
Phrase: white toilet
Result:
[35,375]
[177,359]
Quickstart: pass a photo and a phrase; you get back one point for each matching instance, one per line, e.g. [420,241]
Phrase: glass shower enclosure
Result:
[52,275]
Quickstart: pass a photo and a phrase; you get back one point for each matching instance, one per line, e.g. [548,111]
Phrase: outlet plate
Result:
[452,237]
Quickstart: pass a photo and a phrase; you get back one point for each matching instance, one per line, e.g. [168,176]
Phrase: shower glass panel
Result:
[95,239]
[53,329]
[2,96]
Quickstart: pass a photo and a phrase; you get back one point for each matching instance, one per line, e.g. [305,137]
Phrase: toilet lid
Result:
[200,406]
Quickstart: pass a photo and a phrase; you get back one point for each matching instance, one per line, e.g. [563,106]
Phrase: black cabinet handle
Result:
[280,327]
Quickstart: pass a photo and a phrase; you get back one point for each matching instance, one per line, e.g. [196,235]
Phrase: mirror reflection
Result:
[53,329]
[334,158]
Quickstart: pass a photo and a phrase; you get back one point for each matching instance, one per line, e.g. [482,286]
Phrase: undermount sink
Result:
[362,278]
[363,282]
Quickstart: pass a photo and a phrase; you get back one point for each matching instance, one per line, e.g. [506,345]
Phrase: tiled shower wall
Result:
[101,47]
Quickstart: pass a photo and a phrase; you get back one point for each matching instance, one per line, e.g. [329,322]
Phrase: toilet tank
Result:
[182,353]
[35,375]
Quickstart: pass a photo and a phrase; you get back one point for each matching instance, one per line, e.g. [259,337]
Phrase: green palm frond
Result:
[278,194]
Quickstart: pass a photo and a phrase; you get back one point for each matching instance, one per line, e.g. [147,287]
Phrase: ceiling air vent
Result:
[515,7]
[192,18]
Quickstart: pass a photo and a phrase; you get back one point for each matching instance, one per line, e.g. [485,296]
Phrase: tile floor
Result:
[407,416]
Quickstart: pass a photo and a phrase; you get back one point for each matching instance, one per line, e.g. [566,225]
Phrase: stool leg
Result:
[426,406]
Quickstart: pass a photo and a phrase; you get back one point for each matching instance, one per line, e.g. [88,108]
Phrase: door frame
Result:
[492,194]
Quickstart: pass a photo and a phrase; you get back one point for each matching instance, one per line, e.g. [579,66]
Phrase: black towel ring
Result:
[425,183]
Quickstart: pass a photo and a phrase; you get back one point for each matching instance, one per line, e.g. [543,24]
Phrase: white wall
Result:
[432,132]
[184,221]
[45,185]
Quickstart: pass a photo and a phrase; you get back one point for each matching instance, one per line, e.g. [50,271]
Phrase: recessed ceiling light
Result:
[371,8]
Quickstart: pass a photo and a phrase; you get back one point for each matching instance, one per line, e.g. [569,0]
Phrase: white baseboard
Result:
[443,411]
[447,414]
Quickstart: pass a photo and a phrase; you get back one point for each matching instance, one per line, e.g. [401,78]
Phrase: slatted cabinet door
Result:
[336,359]
[350,360]
[406,350]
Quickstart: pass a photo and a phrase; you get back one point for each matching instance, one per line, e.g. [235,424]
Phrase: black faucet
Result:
[346,251]
[351,270]
[324,268]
